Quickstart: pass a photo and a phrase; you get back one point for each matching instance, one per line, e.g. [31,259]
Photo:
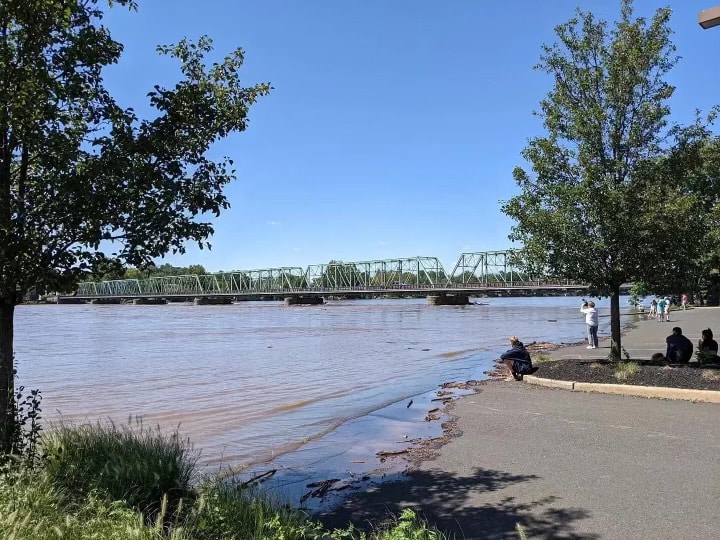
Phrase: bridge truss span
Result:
[473,272]
[389,273]
[489,267]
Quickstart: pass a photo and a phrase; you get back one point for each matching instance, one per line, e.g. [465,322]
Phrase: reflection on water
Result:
[249,381]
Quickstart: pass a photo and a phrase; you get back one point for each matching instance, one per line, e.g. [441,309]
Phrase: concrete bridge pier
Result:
[212,301]
[103,301]
[448,299]
[304,300]
[149,302]
[65,300]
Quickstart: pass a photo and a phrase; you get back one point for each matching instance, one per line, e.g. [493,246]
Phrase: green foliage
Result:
[542,359]
[408,527]
[27,426]
[32,509]
[138,465]
[610,169]
[224,510]
[97,478]
[106,269]
[163,271]
[638,291]
[706,357]
[626,370]
[86,182]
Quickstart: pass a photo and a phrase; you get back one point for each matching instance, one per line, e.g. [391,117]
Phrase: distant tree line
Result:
[110,269]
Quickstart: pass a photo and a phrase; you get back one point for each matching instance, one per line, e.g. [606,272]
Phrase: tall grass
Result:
[225,510]
[139,465]
[104,482]
[32,509]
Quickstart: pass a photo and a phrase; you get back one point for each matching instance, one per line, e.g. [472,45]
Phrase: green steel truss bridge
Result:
[473,273]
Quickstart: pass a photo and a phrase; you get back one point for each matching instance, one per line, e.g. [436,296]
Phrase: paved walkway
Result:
[648,336]
[571,465]
[566,465]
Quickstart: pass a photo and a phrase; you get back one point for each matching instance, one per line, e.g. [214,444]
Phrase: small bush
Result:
[408,527]
[542,359]
[626,370]
[710,375]
[140,466]
[706,357]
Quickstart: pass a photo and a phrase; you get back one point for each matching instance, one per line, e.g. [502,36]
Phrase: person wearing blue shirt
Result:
[517,359]
[679,348]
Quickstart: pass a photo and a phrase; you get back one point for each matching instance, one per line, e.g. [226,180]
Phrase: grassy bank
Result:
[109,482]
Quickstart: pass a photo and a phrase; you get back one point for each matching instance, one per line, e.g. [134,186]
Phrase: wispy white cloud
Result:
[381,242]
[296,249]
[273,223]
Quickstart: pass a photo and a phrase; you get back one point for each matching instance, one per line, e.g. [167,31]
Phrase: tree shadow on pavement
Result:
[455,505]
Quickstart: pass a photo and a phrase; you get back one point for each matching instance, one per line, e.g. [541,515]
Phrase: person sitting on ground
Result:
[707,347]
[517,359]
[679,348]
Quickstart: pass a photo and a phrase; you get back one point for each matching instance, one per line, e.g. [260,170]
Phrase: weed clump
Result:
[626,370]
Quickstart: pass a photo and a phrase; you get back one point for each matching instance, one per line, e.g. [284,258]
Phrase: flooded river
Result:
[252,381]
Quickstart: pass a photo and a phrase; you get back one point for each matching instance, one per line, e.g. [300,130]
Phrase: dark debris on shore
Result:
[649,373]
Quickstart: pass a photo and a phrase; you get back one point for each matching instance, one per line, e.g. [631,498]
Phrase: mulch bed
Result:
[651,373]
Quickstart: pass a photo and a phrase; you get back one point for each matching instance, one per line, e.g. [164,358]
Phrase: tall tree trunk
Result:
[616,346]
[7,376]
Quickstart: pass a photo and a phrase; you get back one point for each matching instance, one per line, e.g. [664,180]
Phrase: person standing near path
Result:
[591,320]
[661,307]
[684,301]
[653,309]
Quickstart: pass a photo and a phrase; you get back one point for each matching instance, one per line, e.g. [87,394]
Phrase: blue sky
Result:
[394,125]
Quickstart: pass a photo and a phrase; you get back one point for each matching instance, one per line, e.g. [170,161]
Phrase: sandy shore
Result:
[568,465]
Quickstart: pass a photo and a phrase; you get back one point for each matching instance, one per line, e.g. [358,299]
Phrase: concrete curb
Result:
[703,396]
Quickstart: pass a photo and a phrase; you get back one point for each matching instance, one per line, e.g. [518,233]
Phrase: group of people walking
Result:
[660,309]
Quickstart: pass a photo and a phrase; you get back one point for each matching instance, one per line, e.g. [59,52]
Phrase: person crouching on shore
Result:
[517,359]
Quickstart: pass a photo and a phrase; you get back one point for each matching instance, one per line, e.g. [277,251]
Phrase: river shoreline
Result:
[426,479]
[404,463]
[352,470]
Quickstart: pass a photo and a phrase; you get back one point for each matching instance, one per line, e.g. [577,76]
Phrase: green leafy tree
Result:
[599,203]
[80,175]
[107,269]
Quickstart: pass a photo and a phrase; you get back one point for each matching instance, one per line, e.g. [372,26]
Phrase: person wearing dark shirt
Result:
[679,348]
[517,359]
[708,347]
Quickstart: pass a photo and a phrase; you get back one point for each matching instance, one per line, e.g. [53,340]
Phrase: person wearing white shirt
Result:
[591,320]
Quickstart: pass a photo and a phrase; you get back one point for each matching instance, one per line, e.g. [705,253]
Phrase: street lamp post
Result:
[709,17]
